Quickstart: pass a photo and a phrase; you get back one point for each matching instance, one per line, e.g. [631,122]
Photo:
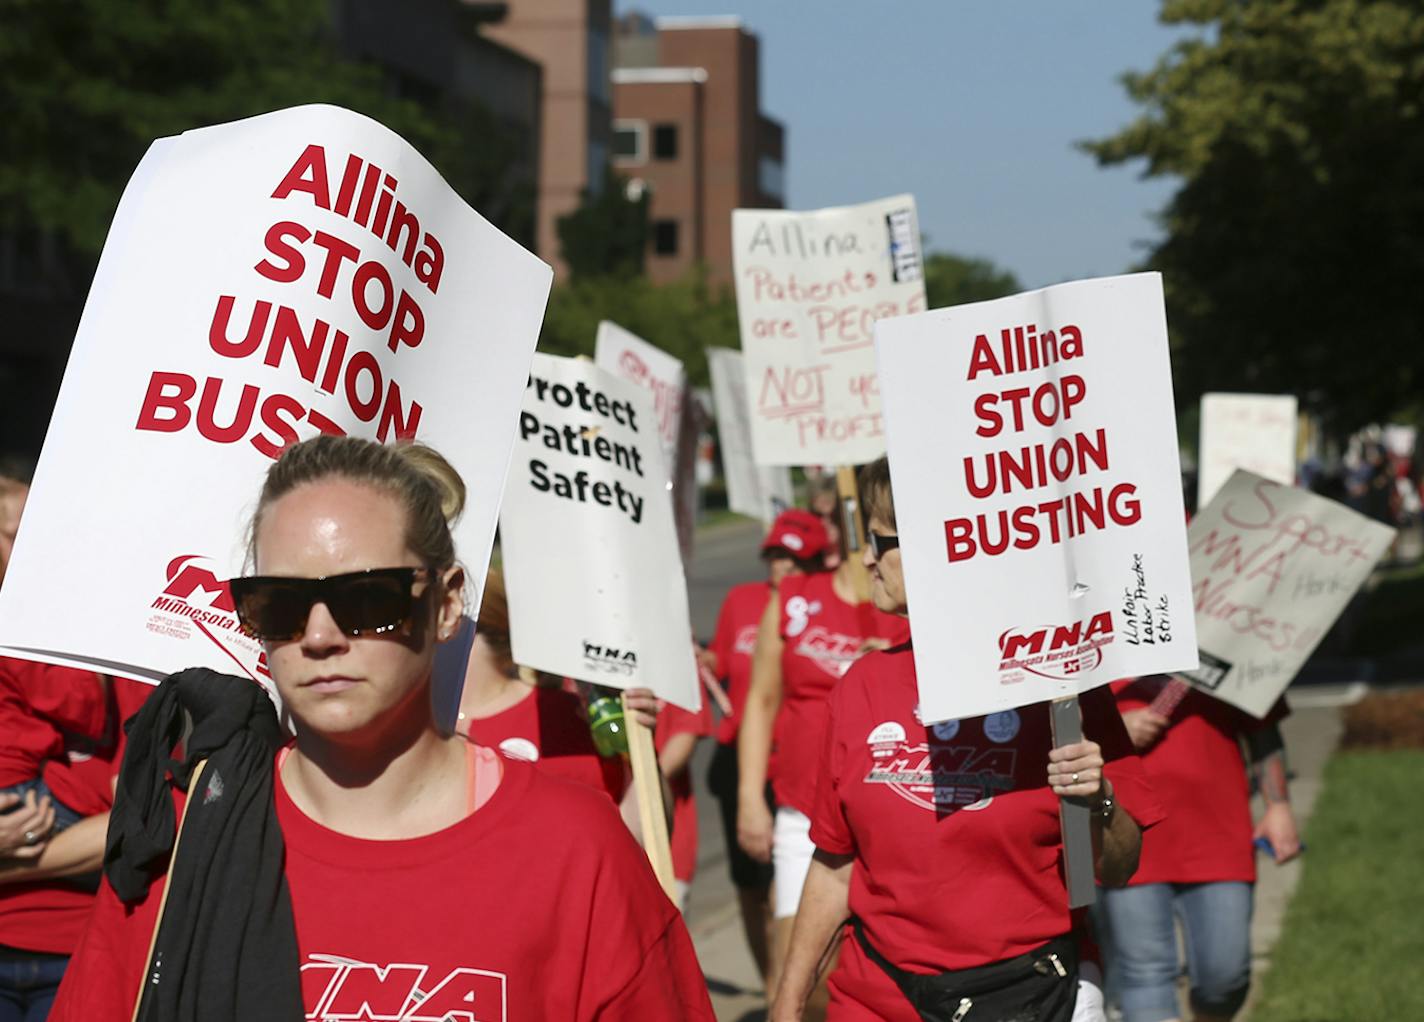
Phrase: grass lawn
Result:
[1352,947]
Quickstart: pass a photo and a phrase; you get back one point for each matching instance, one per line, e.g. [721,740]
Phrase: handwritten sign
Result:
[1256,432]
[1037,493]
[1272,567]
[810,287]
[756,490]
[596,588]
[297,272]
[676,413]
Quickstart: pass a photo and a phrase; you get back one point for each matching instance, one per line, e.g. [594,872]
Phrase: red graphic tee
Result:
[823,636]
[674,720]
[539,905]
[1197,770]
[49,916]
[550,728]
[734,643]
[954,830]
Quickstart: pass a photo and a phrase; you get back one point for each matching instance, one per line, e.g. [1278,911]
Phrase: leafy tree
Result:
[86,85]
[684,318]
[1292,254]
[608,234]
[955,280]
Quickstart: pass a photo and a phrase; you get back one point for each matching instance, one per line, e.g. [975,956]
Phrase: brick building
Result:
[688,127]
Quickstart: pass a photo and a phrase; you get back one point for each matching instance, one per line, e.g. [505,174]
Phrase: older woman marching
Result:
[942,843]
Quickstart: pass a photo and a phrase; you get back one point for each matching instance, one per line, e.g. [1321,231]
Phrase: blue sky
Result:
[972,105]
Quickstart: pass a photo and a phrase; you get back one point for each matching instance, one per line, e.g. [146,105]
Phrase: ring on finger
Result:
[1075,778]
[31,837]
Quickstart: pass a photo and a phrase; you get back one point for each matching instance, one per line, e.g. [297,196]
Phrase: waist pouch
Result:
[1038,986]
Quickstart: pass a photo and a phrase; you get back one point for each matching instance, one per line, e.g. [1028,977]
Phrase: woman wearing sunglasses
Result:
[942,843]
[428,877]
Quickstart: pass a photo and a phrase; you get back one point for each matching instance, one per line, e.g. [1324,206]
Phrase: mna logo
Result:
[1060,652]
[194,595]
[610,659]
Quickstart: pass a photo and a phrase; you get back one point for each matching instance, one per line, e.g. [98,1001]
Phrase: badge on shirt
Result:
[1003,726]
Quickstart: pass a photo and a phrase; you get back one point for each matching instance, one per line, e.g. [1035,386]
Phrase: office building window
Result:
[665,237]
[665,142]
[630,140]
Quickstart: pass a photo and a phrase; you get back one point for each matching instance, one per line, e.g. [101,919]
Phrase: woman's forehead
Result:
[333,523]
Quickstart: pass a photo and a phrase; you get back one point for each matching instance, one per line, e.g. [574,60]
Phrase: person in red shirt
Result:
[811,631]
[427,877]
[943,843]
[522,715]
[796,543]
[1199,865]
[676,733]
[44,900]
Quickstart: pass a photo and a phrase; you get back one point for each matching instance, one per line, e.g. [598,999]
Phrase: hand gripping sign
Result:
[1272,568]
[1038,495]
[810,287]
[759,491]
[595,583]
[265,280]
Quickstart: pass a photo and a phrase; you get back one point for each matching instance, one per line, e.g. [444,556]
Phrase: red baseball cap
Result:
[800,533]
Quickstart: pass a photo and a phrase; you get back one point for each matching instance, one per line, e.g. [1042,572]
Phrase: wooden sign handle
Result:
[853,527]
[652,812]
[1074,817]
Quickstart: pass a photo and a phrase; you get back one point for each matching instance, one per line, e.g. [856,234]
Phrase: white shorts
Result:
[791,850]
[1089,1007]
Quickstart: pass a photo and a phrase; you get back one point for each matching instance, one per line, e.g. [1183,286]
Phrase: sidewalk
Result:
[1311,732]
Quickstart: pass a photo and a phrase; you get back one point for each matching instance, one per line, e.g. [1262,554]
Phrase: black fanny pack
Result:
[1038,986]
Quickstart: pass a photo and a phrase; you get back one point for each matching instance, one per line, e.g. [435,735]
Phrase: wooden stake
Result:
[854,530]
[1074,817]
[652,811]
[167,886]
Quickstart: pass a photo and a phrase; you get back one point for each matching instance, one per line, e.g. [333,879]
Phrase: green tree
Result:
[607,236]
[684,318]
[955,280]
[86,85]
[1292,256]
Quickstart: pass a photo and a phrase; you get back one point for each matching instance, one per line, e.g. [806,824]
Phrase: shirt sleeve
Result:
[73,700]
[830,831]
[1122,766]
[668,984]
[723,638]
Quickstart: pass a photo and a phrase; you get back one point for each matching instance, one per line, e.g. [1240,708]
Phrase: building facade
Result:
[688,128]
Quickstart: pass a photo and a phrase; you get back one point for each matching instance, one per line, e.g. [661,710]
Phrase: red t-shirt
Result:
[822,635]
[539,905]
[549,727]
[39,705]
[49,916]
[944,877]
[1198,772]
[674,720]
[734,643]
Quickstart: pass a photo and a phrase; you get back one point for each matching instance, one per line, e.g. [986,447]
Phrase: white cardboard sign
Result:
[1038,496]
[1256,432]
[1273,566]
[810,287]
[262,281]
[626,355]
[757,490]
[596,589]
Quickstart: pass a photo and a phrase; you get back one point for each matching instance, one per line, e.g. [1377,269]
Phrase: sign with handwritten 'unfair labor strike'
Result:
[810,287]
[1038,496]
[1272,568]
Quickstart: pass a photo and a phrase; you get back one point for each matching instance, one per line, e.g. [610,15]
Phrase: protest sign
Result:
[678,418]
[265,280]
[1272,568]
[756,490]
[1037,493]
[1256,432]
[596,589]
[810,287]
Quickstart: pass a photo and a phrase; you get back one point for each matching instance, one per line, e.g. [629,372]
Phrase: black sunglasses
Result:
[882,544]
[275,608]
